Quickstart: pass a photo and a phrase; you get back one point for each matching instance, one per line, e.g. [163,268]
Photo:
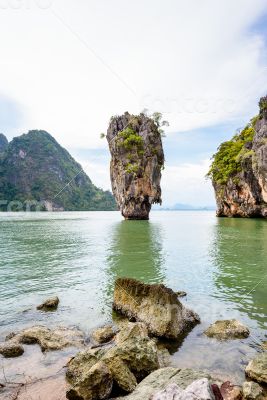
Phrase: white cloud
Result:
[74,64]
[186,183]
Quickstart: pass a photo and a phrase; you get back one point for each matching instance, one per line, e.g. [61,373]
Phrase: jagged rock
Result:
[199,389]
[181,293]
[49,339]
[131,330]
[50,304]
[239,171]
[252,390]
[160,379]
[257,368]
[227,329]
[103,335]
[231,392]
[94,384]
[11,349]
[136,162]
[121,373]
[131,356]
[155,305]
[264,345]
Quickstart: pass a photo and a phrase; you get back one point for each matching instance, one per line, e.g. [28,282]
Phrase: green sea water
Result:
[220,263]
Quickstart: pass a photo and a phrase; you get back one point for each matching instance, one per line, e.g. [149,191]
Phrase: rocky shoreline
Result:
[129,360]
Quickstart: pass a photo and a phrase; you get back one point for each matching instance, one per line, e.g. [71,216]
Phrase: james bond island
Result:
[239,170]
[137,159]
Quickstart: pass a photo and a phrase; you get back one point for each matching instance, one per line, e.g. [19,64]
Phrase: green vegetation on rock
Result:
[227,162]
[34,167]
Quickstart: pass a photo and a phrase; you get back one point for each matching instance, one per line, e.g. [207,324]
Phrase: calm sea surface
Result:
[220,263]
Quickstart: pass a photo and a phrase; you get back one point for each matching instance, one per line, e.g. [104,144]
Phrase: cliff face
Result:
[3,143]
[137,159]
[239,170]
[35,168]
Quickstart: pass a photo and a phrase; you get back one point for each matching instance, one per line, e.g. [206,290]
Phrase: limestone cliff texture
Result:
[136,161]
[239,170]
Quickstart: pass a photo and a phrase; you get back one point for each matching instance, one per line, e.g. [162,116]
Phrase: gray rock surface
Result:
[257,368]
[160,379]
[11,349]
[199,389]
[252,390]
[155,305]
[227,329]
[49,339]
[104,334]
[50,304]
[132,355]
[94,384]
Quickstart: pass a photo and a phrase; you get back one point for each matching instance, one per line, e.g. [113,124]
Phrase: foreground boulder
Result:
[11,349]
[50,304]
[257,368]
[103,335]
[199,389]
[131,356]
[163,377]
[136,162]
[155,305]
[227,329]
[47,339]
[252,390]
[95,383]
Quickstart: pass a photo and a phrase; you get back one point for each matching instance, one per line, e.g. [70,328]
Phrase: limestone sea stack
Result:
[239,170]
[136,161]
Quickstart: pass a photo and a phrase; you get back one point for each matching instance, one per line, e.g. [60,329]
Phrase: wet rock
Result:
[121,373]
[231,392]
[82,362]
[131,356]
[93,384]
[103,335]
[50,304]
[257,368]
[252,390]
[49,339]
[11,349]
[131,330]
[160,379]
[136,162]
[199,389]
[155,305]
[227,329]
[181,293]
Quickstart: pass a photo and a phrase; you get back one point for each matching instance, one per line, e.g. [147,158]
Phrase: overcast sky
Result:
[67,66]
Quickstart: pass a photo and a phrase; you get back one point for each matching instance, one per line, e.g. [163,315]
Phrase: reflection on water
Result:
[136,251]
[240,255]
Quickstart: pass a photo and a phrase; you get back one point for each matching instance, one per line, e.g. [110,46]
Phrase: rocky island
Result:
[239,170]
[36,173]
[137,159]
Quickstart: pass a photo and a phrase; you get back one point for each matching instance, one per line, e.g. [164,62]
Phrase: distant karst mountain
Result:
[35,169]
